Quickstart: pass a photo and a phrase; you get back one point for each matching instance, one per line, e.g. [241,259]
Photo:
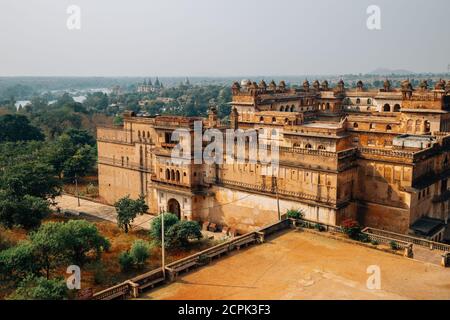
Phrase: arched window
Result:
[296,145]
[308,146]
[328,106]
[286,120]
[167,174]
[274,120]
[261,119]
[427,126]
[281,108]
[292,108]
[139,134]
[397,108]
[172,175]
[178,176]
[372,126]
[355,125]
[321,147]
[358,101]
[369,101]
[418,124]
[388,127]
[409,125]
[387,107]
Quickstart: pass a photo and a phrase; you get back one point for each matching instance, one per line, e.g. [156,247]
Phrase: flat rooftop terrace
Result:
[299,265]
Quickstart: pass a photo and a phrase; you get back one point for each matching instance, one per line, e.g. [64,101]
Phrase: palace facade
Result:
[377,156]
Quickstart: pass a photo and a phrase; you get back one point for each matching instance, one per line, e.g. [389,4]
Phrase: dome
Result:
[316,84]
[306,83]
[272,85]
[262,84]
[325,84]
[236,85]
[360,84]
[282,84]
[245,82]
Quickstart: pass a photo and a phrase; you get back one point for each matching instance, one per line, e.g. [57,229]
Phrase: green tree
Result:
[180,233]
[48,246]
[155,228]
[128,209]
[27,211]
[80,237]
[39,288]
[15,127]
[33,178]
[140,252]
[18,262]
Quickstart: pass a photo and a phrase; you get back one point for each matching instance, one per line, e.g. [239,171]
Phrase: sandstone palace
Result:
[381,157]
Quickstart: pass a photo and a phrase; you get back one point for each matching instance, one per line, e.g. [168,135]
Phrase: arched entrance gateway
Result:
[173,206]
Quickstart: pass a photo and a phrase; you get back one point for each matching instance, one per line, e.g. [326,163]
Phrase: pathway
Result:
[101,211]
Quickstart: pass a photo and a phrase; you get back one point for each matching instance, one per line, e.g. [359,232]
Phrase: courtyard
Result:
[299,265]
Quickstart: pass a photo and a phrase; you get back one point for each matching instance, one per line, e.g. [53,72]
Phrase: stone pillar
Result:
[409,251]
[134,289]
[445,261]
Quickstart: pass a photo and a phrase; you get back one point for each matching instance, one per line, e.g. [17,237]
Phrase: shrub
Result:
[295,214]
[125,261]
[180,233]
[155,229]
[39,288]
[394,245]
[374,242]
[351,228]
[319,227]
[363,237]
[139,252]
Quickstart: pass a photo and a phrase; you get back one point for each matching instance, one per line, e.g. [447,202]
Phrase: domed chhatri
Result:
[282,84]
[316,85]
[324,85]
[306,84]
[262,85]
[272,85]
[245,82]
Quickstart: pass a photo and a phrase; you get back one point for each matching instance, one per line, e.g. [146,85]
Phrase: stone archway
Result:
[173,206]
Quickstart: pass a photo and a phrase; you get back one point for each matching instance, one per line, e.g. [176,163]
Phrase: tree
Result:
[48,246]
[140,252]
[180,233]
[32,178]
[27,211]
[128,209]
[79,237]
[72,154]
[155,228]
[15,127]
[19,261]
[39,288]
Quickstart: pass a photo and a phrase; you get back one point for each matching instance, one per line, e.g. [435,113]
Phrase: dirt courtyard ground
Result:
[297,265]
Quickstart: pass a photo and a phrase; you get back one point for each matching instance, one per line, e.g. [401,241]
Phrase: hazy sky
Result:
[221,37]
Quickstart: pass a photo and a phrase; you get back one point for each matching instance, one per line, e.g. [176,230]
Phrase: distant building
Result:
[148,87]
[381,157]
